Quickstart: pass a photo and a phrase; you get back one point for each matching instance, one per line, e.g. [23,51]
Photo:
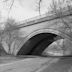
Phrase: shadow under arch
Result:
[36,44]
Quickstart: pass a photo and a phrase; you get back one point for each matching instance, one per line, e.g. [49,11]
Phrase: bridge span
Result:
[27,35]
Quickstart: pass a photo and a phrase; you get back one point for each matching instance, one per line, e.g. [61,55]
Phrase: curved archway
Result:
[25,43]
[36,44]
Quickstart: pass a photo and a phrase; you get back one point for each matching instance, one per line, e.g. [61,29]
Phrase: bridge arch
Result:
[41,36]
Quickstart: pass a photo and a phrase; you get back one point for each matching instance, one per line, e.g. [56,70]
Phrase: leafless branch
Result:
[11,4]
[39,6]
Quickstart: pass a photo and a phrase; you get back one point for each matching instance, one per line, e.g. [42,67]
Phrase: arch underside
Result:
[37,44]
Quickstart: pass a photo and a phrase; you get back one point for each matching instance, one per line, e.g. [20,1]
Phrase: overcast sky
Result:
[24,9]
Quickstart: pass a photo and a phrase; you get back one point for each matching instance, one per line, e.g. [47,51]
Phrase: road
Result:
[36,64]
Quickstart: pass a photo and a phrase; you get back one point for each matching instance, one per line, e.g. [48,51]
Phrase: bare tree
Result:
[9,24]
[12,34]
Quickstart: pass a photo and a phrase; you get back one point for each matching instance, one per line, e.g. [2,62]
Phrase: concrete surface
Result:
[24,64]
[63,65]
[36,64]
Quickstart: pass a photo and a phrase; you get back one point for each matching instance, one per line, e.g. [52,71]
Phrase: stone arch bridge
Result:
[30,34]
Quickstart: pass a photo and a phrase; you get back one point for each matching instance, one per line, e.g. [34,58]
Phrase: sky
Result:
[23,9]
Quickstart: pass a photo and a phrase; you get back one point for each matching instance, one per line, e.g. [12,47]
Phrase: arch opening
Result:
[37,44]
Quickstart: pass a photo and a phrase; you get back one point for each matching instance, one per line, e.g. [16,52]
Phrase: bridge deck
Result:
[40,19]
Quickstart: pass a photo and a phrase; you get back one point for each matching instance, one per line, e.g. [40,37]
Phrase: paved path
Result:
[25,64]
[35,64]
[62,65]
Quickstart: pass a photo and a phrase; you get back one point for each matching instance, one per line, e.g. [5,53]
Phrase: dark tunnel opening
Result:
[37,44]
